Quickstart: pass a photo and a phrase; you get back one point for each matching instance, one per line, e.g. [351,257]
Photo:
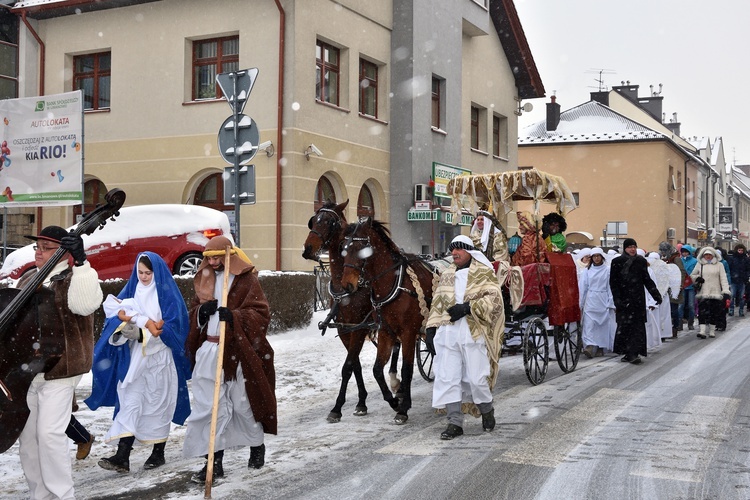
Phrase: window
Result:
[92,75]
[474,127]
[327,73]
[478,125]
[210,192]
[436,101]
[211,57]
[500,136]
[323,193]
[679,187]
[93,195]
[365,205]
[368,88]
[8,55]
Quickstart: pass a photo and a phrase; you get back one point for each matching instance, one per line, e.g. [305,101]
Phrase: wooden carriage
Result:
[549,307]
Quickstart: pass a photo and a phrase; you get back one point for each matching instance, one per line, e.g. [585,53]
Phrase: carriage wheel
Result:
[535,351]
[424,360]
[568,345]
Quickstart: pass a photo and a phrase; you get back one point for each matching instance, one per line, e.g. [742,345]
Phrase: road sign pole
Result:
[236,109]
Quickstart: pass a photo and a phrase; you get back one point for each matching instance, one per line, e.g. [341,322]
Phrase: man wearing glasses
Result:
[44,448]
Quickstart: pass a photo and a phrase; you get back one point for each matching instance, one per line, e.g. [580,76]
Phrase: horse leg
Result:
[407,374]
[385,349]
[393,370]
[351,366]
[361,408]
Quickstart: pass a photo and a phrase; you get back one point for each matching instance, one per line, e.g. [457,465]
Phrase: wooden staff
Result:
[217,383]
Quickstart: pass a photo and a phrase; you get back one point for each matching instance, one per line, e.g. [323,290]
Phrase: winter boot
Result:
[711,331]
[488,420]
[589,351]
[702,331]
[257,457]
[120,461]
[157,457]
[691,325]
[200,477]
[451,432]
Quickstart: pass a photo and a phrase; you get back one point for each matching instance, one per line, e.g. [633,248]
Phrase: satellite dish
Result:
[527,107]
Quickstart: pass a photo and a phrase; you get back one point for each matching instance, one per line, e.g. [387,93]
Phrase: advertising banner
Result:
[41,150]
[442,174]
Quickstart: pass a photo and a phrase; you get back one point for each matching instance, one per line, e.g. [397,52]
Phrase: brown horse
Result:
[401,293]
[351,312]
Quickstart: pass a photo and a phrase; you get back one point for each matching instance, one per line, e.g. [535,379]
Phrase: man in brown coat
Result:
[247,405]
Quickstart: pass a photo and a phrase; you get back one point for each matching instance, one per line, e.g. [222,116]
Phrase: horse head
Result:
[356,250]
[327,222]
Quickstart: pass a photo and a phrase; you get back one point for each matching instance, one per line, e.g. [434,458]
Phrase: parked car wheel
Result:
[188,264]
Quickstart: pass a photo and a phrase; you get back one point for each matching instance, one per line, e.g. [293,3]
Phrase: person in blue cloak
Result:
[140,365]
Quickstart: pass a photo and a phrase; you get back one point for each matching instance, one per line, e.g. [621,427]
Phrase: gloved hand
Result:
[73,243]
[699,280]
[131,332]
[726,296]
[225,315]
[458,311]
[206,310]
[429,339]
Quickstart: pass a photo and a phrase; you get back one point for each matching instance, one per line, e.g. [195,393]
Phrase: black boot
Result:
[488,420]
[257,456]
[120,461]
[451,432]
[200,477]
[157,457]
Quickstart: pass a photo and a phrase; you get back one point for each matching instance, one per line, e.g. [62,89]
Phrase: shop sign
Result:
[421,215]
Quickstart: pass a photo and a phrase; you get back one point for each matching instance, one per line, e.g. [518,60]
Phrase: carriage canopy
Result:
[500,191]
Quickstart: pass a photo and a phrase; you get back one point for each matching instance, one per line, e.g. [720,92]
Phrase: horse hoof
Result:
[400,419]
[334,418]
[360,411]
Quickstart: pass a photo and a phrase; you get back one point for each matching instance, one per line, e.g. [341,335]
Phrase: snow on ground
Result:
[308,371]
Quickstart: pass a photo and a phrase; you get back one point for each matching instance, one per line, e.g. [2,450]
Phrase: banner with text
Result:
[41,150]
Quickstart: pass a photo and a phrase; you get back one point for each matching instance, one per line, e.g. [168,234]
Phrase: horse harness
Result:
[401,265]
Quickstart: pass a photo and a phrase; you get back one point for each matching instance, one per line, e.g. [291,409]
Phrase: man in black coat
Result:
[739,268]
[627,279]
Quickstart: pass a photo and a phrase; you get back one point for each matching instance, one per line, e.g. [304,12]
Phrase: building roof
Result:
[508,26]
[46,9]
[588,122]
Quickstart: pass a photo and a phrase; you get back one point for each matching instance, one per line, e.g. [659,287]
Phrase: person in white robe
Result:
[653,326]
[464,332]
[661,278]
[597,306]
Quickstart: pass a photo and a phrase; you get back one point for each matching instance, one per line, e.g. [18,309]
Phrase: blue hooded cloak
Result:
[111,362]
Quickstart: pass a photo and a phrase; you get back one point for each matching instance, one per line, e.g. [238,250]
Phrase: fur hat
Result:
[665,249]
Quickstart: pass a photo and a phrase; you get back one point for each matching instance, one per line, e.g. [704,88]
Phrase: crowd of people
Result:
[151,344]
[632,302]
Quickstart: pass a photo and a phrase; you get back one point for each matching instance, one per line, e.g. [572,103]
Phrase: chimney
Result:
[673,125]
[600,97]
[553,114]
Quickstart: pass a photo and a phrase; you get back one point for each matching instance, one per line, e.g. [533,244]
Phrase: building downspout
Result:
[684,199]
[42,61]
[279,130]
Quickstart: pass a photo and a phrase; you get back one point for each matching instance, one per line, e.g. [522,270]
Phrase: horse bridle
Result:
[399,264]
[333,226]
